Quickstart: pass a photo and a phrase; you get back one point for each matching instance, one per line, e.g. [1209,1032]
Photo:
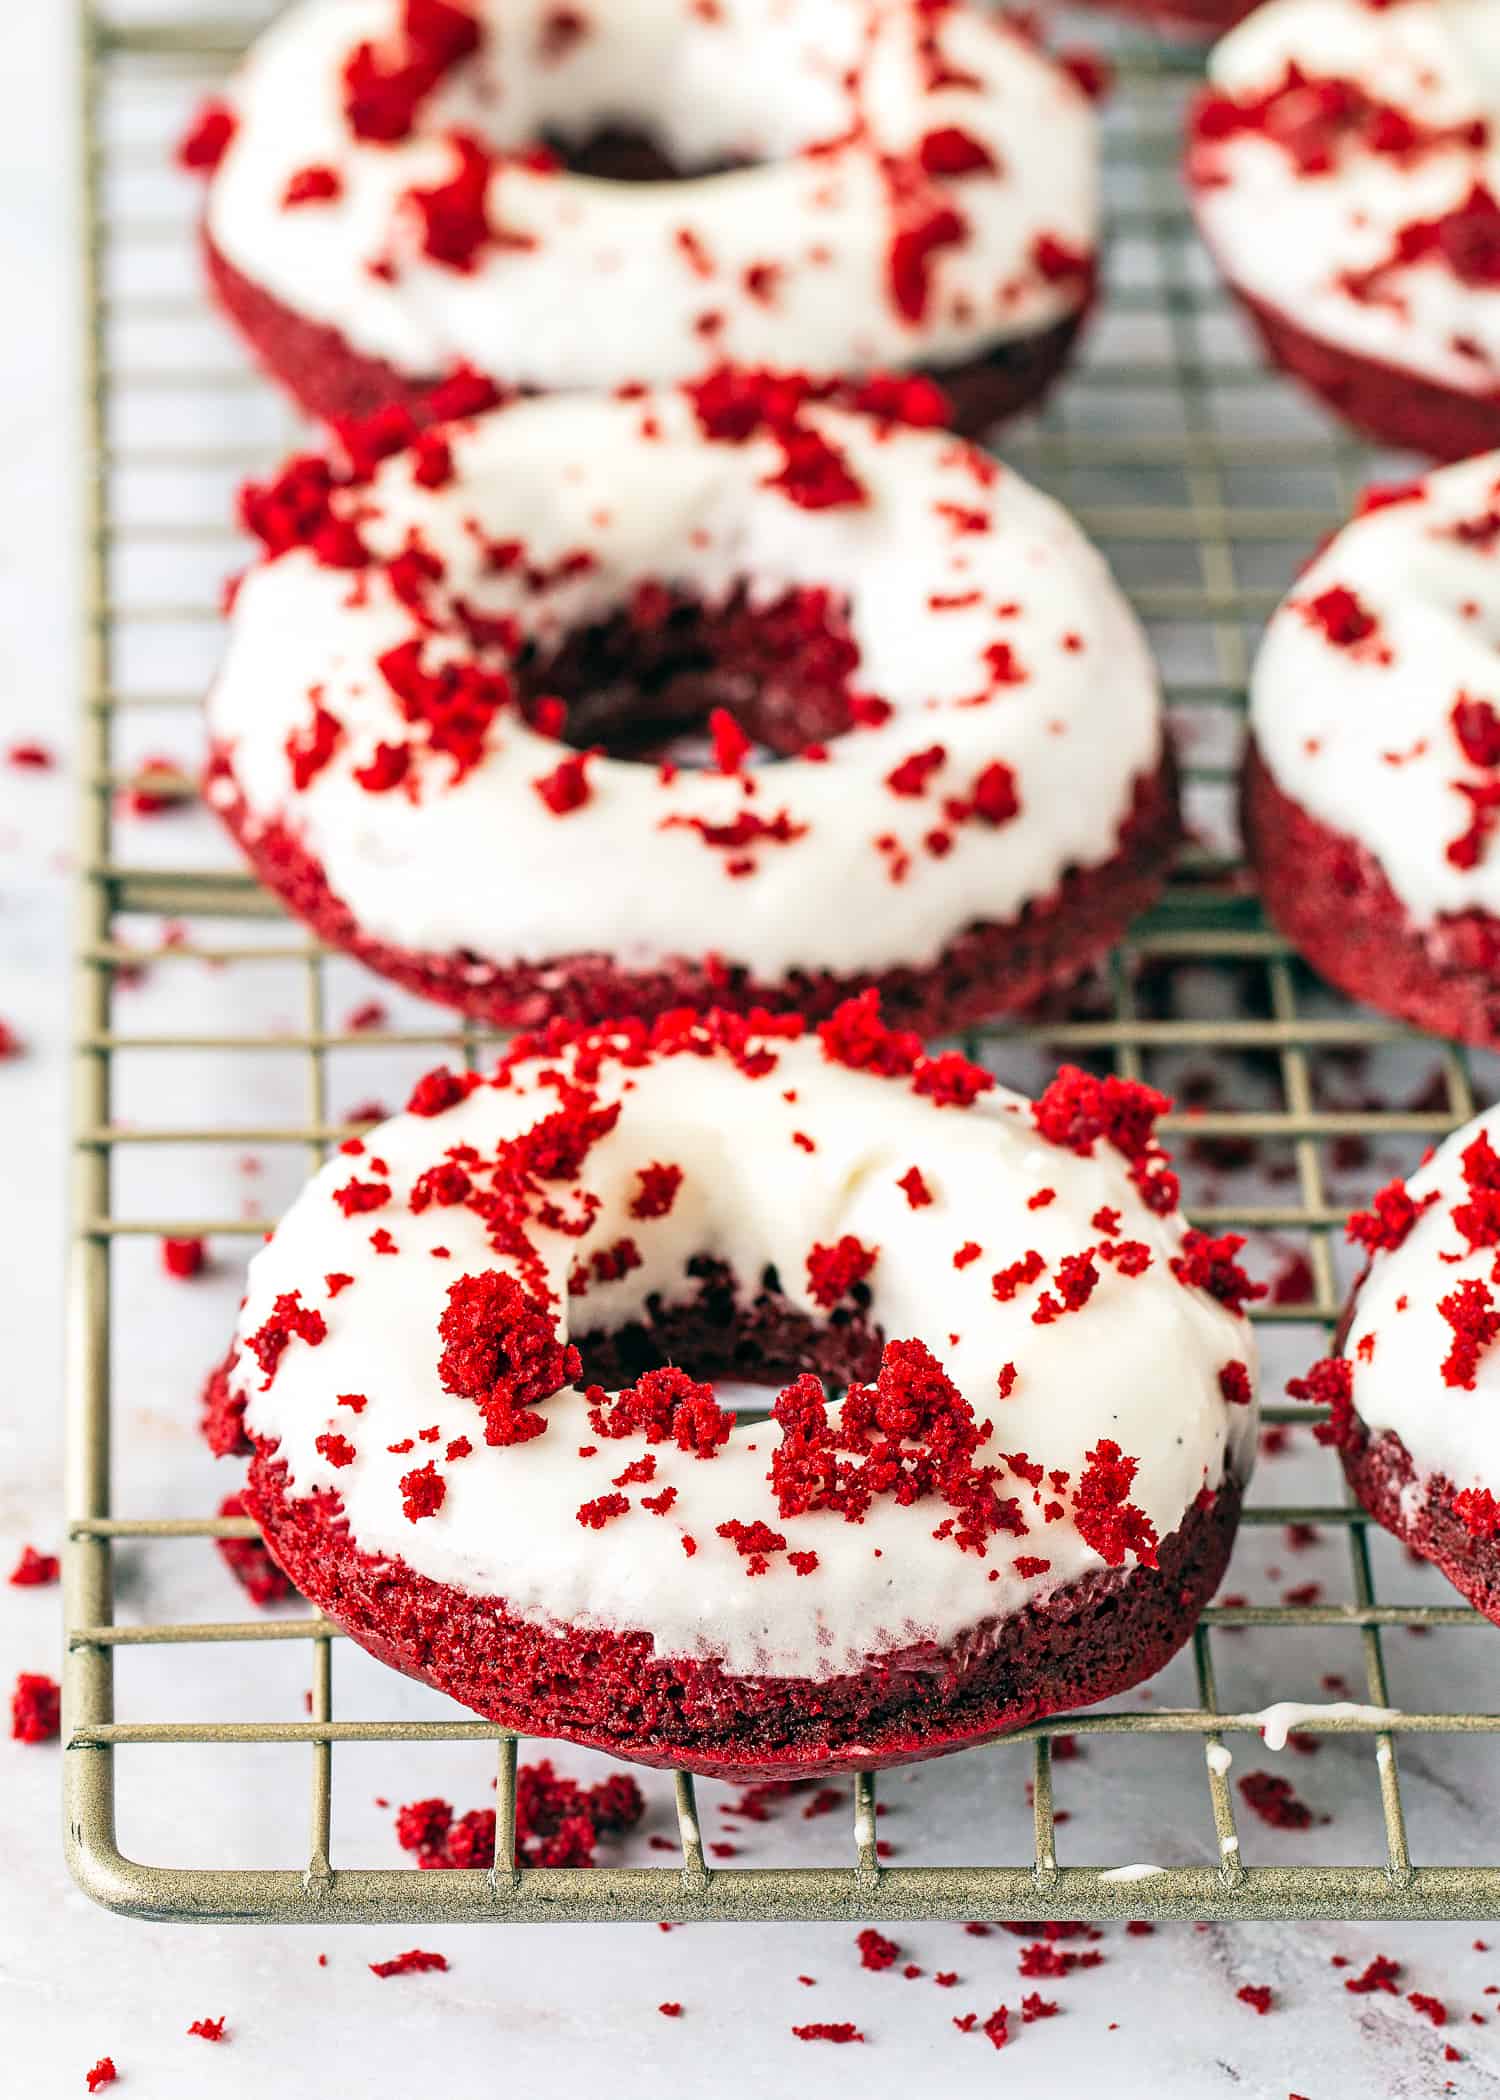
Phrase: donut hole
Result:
[717,1329]
[614,152]
[642,683]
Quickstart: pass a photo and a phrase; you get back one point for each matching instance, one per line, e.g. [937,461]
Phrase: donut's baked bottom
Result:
[1388,403]
[1331,899]
[609,1691]
[992,967]
[329,379]
[1384,1477]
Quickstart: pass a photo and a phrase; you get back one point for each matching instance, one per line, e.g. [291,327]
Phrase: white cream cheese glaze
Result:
[485,866]
[1397,1382]
[1138,1363]
[608,290]
[1362,736]
[1288,239]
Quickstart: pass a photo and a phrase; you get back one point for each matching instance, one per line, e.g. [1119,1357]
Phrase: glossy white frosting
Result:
[1138,1363]
[1287,239]
[1447,1430]
[484,866]
[609,292]
[1363,738]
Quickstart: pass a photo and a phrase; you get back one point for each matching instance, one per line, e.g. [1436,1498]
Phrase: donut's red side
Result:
[1382,1473]
[329,378]
[610,1690]
[1199,17]
[995,966]
[1332,900]
[1386,402]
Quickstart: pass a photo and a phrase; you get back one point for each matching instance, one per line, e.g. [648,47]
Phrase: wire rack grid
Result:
[1205,481]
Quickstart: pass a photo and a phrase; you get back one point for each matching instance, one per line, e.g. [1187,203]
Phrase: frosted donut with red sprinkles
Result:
[474,1371]
[1344,164]
[1413,1392]
[574,197]
[1372,787]
[717,696]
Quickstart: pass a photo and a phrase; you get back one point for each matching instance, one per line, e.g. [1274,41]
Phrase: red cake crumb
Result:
[1105,1520]
[832,1272]
[1208,1264]
[35,1709]
[502,1351]
[875,1950]
[828,2031]
[208,139]
[1078,1111]
[103,2074]
[1470,1312]
[1431,2008]
[657,1192]
[184,1258]
[997,2027]
[1234,1384]
[917,1193]
[249,1562]
[413,1963]
[210,2030]
[670,2009]
[423,1492]
[34,1570]
[1273,1800]
[1034,2006]
[1388,1224]
[1379,1975]
[289,1318]
[1257,1995]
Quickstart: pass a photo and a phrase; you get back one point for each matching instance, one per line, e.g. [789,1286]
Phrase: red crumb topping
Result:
[249,1562]
[1328,1384]
[413,1963]
[501,1350]
[440,1090]
[1272,1799]
[290,1319]
[950,151]
[315,185]
[1470,1312]
[1105,1520]
[828,2031]
[1208,1264]
[1476,725]
[833,1272]
[876,1951]
[1476,1508]
[966,1255]
[1339,615]
[33,1570]
[1257,1995]
[422,1492]
[336,1449]
[593,1516]
[356,1197]
[1007,1282]
[35,1709]
[663,1406]
[1234,1384]
[386,85]
[558,1822]
[857,1037]
[1386,1226]
[566,788]
[208,139]
[209,2030]
[918,1194]
[1078,1111]
[103,2074]
[657,1191]
[183,1258]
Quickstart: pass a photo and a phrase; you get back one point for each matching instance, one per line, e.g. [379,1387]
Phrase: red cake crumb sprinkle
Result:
[1379,1975]
[210,2030]
[952,1080]
[1339,614]
[208,138]
[34,1570]
[183,1258]
[1208,1264]
[385,87]
[413,1963]
[663,1405]
[593,1516]
[1076,1278]
[337,1450]
[502,1351]
[828,2031]
[440,1090]
[423,1492]
[1105,1520]
[917,1193]
[1035,2007]
[910,778]
[103,2074]
[1234,1384]
[670,2009]
[1328,1384]
[1006,1283]
[857,1037]
[966,1255]
[566,788]
[1476,725]
[833,1271]
[1478,1511]
[1387,1225]
[950,151]
[314,185]
[35,1709]
[356,1197]
[657,1191]
[1078,1110]
[250,1563]
[1470,1312]
[290,1319]
[1272,1799]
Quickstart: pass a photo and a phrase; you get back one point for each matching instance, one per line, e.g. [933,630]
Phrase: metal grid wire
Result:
[1205,510]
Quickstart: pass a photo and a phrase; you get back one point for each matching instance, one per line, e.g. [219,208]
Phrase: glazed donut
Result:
[1412,1392]
[1372,789]
[456,1370]
[1345,172]
[400,186]
[970,795]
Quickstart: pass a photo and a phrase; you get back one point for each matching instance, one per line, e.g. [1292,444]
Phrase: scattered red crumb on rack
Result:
[558,1822]
[413,1963]
[35,1709]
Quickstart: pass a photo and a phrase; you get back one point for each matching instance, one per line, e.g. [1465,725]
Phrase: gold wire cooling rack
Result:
[1206,482]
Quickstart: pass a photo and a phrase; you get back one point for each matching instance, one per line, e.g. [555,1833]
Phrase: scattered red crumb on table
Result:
[33,1570]
[1257,1995]
[35,1709]
[1272,1799]
[1378,1975]
[413,1963]
[671,2009]
[103,2074]
[210,2030]
[183,1258]
[875,1950]
[828,2031]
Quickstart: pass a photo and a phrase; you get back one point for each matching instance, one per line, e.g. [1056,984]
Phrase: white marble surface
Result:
[569,2009]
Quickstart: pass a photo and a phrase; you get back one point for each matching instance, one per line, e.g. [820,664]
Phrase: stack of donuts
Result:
[645,656]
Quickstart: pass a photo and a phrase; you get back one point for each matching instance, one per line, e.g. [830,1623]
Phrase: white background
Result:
[569,2008]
